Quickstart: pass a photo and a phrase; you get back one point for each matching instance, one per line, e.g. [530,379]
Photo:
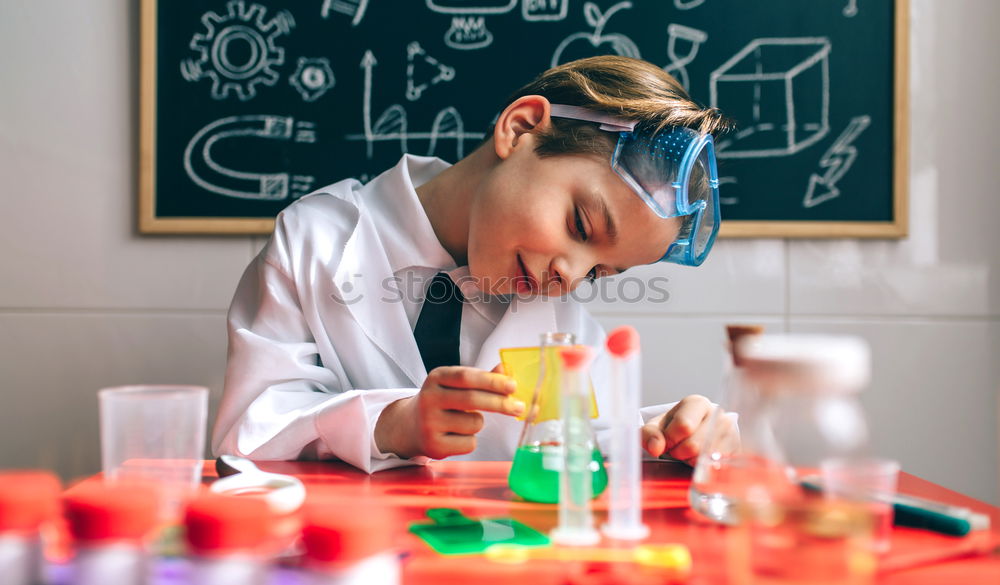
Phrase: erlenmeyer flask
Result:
[534,473]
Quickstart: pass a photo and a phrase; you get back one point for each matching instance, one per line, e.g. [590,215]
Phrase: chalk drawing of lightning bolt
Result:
[837,160]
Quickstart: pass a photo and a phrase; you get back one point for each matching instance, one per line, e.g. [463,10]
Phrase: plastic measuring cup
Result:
[154,435]
[871,481]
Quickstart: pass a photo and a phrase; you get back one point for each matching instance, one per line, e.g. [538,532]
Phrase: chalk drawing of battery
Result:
[352,8]
[203,168]
[468,25]
[544,10]
[778,91]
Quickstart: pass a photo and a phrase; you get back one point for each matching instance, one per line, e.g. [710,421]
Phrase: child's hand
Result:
[680,431]
[443,418]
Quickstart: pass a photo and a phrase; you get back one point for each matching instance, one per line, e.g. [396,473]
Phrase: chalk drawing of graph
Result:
[393,126]
[238,50]
[208,174]
[778,90]
[468,25]
[355,9]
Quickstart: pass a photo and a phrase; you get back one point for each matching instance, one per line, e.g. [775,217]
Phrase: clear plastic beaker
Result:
[155,434]
[870,481]
[534,473]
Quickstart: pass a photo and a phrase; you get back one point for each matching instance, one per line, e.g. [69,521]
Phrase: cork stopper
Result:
[737,332]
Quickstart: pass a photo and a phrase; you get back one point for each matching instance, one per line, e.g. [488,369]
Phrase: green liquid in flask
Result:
[534,473]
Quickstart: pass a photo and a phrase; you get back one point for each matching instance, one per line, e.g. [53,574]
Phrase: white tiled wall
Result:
[87,303]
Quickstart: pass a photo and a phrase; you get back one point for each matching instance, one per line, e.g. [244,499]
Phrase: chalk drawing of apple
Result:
[591,44]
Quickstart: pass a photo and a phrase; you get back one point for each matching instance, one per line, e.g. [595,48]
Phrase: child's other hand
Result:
[443,418]
[680,431]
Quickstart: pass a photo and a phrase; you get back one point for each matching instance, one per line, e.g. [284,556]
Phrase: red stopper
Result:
[575,357]
[27,499]
[216,524]
[338,533]
[623,341]
[98,512]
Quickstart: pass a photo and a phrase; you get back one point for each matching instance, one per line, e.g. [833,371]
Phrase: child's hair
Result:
[623,87]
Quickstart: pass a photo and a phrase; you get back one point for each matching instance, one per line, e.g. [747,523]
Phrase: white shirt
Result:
[321,340]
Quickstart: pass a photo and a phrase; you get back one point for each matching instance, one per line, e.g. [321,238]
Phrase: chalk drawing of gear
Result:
[237,51]
[208,174]
[312,78]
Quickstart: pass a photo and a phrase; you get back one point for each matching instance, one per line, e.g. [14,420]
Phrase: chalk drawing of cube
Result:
[778,91]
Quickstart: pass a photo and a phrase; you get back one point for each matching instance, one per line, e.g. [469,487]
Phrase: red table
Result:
[480,489]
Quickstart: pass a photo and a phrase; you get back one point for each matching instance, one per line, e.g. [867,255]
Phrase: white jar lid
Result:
[821,362]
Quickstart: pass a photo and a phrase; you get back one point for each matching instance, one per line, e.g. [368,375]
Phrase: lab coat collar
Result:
[392,200]
[365,280]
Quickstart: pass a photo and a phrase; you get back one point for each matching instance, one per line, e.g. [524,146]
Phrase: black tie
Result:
[440,323]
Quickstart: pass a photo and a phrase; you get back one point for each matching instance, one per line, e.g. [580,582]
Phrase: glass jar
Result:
[797,401]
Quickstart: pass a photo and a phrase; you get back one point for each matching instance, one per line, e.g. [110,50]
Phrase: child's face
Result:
[525,231]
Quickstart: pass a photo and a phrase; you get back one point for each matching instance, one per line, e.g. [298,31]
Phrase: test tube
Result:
[576,522]
[625,473]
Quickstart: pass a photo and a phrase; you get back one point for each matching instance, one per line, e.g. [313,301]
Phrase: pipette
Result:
[625,474]
[576,522]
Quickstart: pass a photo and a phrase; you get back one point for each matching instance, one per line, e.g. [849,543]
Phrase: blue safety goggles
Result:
[673,171]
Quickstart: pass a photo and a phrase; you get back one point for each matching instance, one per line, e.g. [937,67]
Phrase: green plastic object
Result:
[453,533]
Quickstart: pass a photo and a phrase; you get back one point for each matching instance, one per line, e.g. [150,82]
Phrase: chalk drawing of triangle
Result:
[423,71]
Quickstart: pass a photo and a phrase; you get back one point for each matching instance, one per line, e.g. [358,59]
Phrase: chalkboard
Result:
[250,104]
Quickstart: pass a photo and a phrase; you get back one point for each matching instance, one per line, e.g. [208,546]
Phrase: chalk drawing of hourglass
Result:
[689,36]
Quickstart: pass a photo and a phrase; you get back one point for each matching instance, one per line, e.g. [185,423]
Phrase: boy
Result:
[596,166]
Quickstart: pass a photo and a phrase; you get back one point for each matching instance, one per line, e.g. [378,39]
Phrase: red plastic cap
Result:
[336,532]
[27,499]
[623,341]
[575,357]
[216,524]
[99,512]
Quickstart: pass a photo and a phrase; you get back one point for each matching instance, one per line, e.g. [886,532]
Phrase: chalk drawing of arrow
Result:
[368,62]
[837,160]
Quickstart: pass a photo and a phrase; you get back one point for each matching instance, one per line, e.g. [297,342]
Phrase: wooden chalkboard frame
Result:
[150,223]
[899,226]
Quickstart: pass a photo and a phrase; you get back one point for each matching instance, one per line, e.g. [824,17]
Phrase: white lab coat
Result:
[316,354]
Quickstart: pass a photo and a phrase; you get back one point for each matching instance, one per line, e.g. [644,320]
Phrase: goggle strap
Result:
[607,122]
